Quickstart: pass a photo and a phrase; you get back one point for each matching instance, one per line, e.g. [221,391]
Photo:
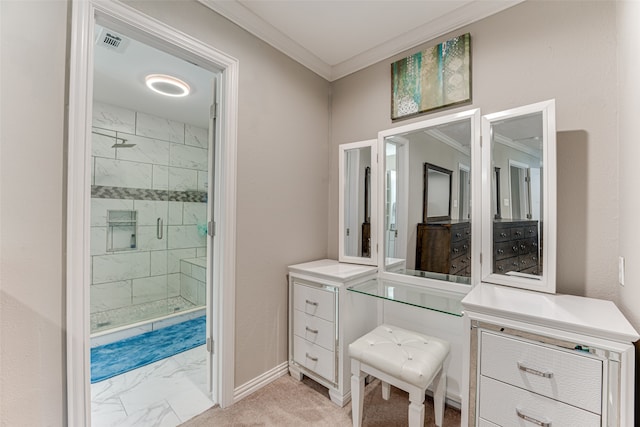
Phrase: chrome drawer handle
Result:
[456,250]
[311,302]
[503,234]
[528,370]
[458,235]
[313,359]
[500,251]
[313,331]
[532,420]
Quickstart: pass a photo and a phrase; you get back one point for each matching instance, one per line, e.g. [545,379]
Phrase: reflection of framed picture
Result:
[434,78]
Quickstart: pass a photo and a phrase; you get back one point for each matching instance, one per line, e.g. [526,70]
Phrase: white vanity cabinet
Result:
[547,360]
[324,319]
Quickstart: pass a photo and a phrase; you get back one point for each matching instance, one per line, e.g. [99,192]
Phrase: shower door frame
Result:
[83,19]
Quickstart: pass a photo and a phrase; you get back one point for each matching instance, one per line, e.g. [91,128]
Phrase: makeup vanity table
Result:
[520,353]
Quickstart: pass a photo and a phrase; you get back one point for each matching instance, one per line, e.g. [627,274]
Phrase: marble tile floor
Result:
[136,313]
[165,393]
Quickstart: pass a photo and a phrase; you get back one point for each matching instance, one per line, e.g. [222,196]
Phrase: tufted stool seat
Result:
[407,360]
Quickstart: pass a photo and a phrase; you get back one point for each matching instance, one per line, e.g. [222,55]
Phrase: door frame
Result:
[80,84]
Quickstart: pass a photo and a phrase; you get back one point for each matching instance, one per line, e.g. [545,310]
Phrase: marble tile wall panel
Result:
[160,177]
[202,293]
[120,266]
[159,128]
[175,255]
[183,179]
[198,273]
[146,289]
[194,213]
[148,239]
[189,288]
[101,144]
[185,236]
[185,156]
[120,173]
[175,213]
[110,117]
[147,150]
[150,210]
[203,181]
[195,136]
[185,268]
[99,208]
[158,263]
[201,252]
[98,240]
[173,285]
[108,296]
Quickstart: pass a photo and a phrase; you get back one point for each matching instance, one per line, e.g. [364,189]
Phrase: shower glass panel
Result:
[149,216]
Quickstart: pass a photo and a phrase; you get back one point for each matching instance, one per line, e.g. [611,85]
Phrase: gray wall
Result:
[629,156]
[531,52]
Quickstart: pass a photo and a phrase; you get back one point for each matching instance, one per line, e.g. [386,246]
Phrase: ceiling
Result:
[333,38]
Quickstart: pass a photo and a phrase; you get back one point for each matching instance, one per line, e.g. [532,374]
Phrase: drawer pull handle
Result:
[313,359]
[311,302]
[313,331]
[503,234]
[458,235]
[532,420]
[456,250]
[500,251]
[528,370]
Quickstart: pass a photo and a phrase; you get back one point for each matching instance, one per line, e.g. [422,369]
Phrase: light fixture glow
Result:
[167,85]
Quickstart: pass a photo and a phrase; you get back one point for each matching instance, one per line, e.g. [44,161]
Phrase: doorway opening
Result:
[145,190]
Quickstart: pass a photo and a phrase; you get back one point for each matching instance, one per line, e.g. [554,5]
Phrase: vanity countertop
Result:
[330,269]
[597,317]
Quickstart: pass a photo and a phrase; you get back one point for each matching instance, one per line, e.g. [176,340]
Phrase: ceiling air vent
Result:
[112,40]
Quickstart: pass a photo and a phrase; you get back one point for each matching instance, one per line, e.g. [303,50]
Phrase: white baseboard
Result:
[260,381]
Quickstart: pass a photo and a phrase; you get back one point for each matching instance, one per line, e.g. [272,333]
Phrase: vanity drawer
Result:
[459,265]
[460,233]
[459,248]
[506,405]
[314,329]
[501,234]
[315,358]
[528,246]
[528,261]
[315,301]
[566,376]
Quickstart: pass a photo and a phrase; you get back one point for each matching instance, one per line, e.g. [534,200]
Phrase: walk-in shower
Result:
[148,217]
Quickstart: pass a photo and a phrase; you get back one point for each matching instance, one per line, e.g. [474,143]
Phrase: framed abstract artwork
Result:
[434,78]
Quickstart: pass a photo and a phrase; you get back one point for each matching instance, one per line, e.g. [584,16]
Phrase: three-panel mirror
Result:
[357,202]
[438,192]
[426,207]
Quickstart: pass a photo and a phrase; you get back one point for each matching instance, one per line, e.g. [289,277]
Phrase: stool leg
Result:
[357,393]
[439,389]
[416,407]
[386,390]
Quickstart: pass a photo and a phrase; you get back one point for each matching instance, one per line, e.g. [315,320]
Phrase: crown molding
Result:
[246,19]
[471,12]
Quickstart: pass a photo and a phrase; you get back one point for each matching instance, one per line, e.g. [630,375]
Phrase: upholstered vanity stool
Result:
[407,360]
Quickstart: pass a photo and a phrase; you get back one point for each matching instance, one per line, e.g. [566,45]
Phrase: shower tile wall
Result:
[168,155]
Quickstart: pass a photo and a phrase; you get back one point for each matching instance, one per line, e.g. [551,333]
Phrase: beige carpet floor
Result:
[287,402]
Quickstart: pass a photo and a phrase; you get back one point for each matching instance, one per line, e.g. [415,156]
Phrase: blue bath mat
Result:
[130,353]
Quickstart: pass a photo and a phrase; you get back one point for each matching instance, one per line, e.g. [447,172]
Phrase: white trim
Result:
[260,381]
[84,14]
[467,14]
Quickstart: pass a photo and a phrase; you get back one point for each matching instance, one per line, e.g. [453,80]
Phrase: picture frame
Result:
[432,79]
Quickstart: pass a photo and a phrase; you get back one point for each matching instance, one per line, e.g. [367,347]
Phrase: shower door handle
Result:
[159,228]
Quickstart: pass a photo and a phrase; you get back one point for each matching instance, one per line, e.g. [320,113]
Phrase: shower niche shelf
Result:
[122,231]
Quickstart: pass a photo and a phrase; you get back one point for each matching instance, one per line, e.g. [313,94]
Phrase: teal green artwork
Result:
[434,78]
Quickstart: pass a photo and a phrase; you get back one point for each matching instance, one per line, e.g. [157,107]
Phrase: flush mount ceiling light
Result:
[167,85]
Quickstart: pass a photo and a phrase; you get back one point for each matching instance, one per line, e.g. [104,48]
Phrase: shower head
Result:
[123,144]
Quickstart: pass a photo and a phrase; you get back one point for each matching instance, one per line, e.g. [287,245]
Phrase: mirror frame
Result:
[475,205]
[546,282]
[425,197]
[373,194]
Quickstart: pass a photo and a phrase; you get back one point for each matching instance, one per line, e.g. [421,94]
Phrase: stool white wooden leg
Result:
[439,389]
[416,407]
[386,390]
[357,393]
